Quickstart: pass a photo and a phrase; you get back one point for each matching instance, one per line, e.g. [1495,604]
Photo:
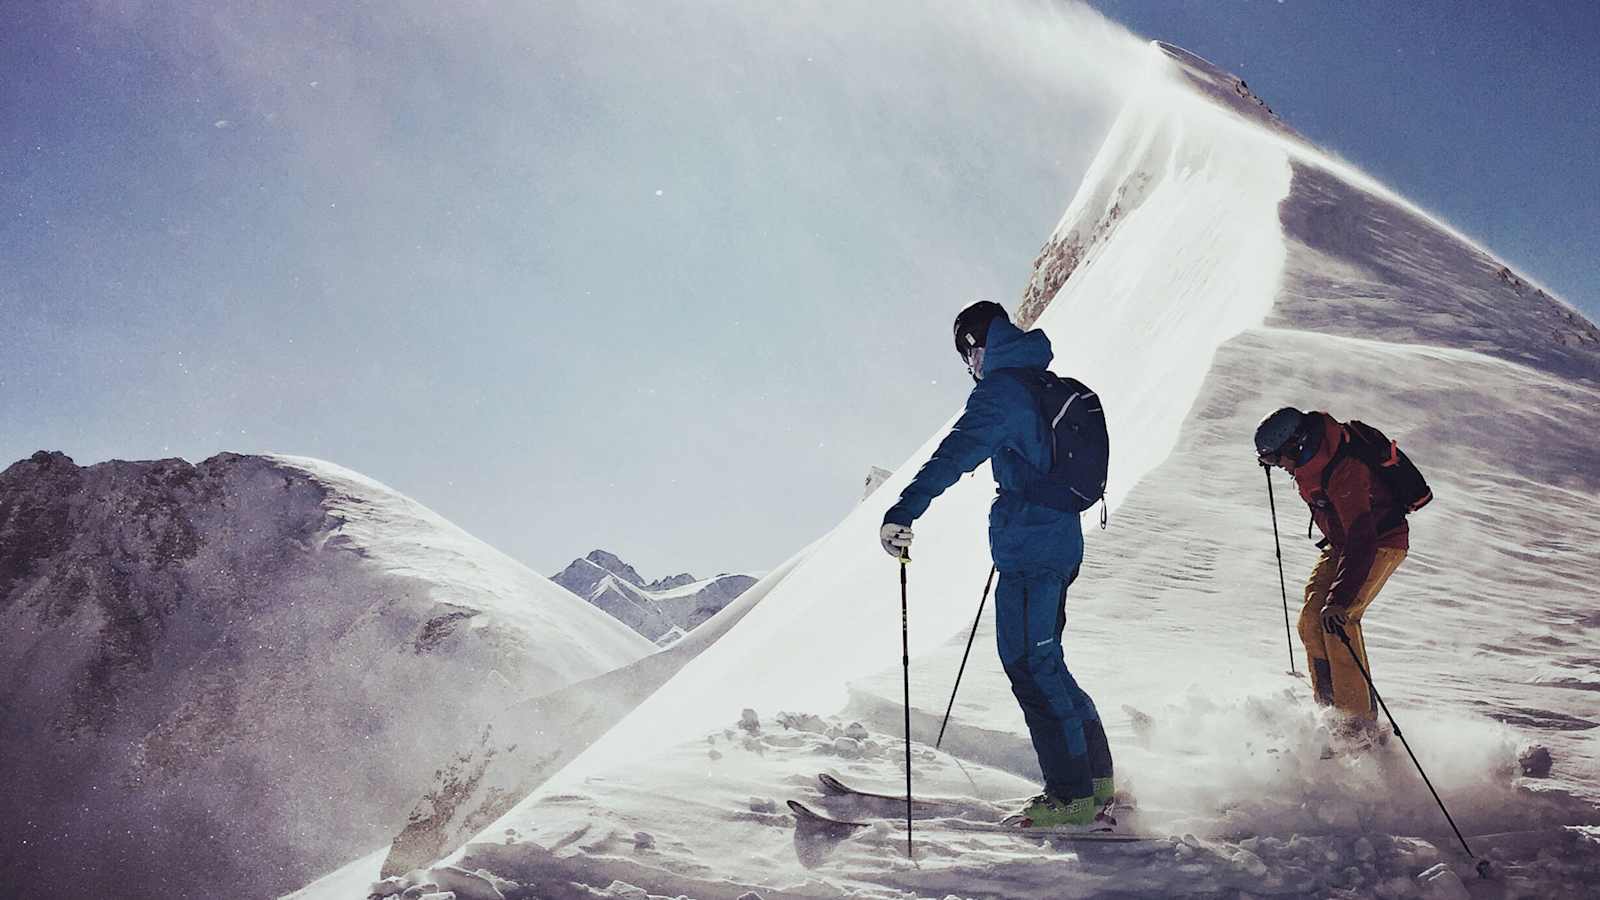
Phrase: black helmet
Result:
[972,325]
[1277,430]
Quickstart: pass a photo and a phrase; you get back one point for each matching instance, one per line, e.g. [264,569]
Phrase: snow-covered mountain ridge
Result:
[255,661]
[1222,268]
[663,610]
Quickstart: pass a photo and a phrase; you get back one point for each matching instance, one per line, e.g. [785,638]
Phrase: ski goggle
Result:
[1290,448]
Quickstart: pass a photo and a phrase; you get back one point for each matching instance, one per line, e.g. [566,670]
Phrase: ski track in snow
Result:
[1323,291]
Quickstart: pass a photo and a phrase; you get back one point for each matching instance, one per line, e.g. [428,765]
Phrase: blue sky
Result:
[1486,113]
[664,278]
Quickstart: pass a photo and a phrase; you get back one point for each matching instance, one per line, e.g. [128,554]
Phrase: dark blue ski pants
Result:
[1030,612]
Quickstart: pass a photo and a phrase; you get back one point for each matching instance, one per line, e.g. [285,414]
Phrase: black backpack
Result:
[1080,447]
[1385,458]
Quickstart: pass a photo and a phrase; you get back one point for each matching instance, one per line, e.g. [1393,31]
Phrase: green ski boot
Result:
[1045,811]
[1104,791]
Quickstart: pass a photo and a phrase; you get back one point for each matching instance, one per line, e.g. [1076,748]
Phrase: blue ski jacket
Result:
[1002,423]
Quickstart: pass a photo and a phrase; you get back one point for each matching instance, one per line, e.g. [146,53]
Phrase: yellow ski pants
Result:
[1334,677]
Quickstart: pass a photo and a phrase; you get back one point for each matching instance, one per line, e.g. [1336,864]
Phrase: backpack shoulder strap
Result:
[1340,453]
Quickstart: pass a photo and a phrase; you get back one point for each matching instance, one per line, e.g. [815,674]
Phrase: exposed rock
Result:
[1250,862]
[875,476]
[1536,761]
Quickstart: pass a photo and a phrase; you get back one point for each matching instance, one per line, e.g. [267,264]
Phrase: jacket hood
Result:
[1009,347]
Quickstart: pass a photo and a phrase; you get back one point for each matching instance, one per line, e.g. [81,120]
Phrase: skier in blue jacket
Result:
[1037,550]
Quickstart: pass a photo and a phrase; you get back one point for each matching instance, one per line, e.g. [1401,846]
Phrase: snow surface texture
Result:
[663,610]
[1212,267]
[254,661]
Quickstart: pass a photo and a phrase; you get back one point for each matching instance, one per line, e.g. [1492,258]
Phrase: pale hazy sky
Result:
[664,278]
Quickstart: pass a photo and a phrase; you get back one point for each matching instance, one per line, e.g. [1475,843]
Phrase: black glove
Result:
[1334,618]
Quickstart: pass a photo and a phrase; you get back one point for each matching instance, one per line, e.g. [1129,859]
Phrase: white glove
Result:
[896,540]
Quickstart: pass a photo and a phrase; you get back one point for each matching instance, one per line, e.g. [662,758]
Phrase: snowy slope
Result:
[254,661]
[1212,267]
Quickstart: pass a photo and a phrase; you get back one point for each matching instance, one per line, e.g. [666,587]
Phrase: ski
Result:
[811,820]
[832,785]
[1106,836]
[807,818]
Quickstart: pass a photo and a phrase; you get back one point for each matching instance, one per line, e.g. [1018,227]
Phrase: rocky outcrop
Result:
[254,661]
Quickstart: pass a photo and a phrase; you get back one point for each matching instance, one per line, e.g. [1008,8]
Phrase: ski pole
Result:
[905,669]
[970,637]
[1278,549]
[1483,864]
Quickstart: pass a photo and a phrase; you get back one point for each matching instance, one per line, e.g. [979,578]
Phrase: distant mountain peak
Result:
[671,581]
[614,564]
[651,609]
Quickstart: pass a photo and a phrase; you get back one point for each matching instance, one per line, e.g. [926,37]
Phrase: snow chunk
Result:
[465,885]
[1413,852]
[1442,883]
[803,722]
[387,887]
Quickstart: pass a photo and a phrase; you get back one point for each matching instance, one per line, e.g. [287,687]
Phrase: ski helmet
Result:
[1277,430]
[972,325]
